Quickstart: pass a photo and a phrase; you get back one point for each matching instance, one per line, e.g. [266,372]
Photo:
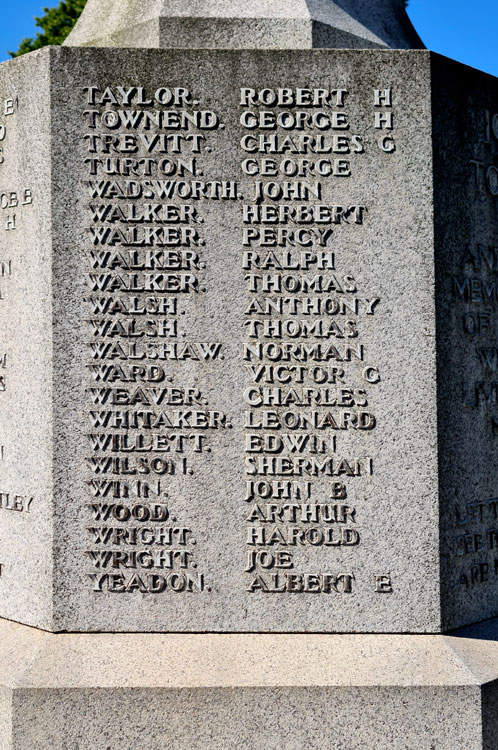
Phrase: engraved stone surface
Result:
[237,24]
[122,691]
[248,368]
[248,384]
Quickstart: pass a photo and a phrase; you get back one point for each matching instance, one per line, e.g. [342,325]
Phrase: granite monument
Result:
[248,383]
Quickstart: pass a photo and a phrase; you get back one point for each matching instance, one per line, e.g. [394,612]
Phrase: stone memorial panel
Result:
[248,341]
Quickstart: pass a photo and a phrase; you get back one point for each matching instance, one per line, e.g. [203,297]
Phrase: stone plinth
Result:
[116,692]
[248,341]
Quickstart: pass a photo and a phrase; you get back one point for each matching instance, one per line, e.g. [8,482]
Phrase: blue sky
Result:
[465,30]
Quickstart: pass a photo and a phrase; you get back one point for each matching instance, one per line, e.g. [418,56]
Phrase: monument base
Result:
[152,692]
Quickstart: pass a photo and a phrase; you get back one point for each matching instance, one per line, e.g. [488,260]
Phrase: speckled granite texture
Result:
[236,24]
[267,402]
[284,692]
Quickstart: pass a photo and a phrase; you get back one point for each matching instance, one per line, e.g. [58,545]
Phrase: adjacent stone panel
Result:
[26,449]
[466,202]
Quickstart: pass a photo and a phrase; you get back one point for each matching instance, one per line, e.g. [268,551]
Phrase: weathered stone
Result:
[239,312]
[237,24]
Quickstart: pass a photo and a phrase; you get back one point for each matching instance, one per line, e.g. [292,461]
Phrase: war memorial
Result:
[248,383]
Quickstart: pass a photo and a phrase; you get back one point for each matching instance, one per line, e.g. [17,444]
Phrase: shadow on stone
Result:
[386,19]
